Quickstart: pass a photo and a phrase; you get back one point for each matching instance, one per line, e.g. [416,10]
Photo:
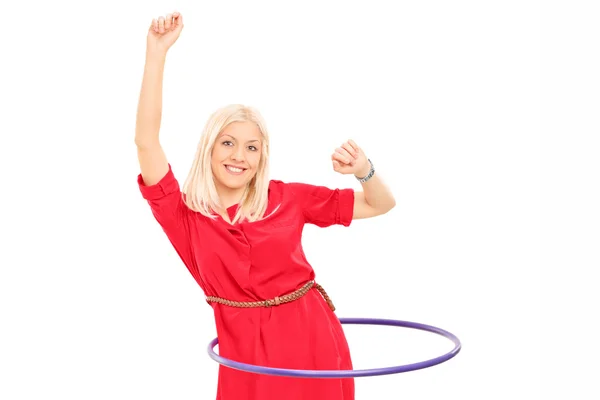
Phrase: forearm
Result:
[376,193]
[149,112]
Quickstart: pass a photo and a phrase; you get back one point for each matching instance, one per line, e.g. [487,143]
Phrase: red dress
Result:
[258,261]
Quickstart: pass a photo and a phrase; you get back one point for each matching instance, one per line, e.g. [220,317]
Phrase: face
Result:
[235,157]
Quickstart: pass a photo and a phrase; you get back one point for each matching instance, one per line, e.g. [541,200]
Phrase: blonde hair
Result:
[200,193]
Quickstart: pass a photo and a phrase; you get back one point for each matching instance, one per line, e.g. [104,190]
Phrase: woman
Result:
[239,235]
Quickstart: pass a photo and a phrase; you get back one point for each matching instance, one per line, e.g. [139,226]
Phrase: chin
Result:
[235,185]
[235,182]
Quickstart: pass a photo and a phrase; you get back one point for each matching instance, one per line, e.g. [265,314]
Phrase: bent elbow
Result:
[390,205]
[384,209]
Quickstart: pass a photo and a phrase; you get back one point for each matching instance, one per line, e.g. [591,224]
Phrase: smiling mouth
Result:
[235,170]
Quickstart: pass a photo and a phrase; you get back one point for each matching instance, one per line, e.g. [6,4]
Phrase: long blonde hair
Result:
[200,193]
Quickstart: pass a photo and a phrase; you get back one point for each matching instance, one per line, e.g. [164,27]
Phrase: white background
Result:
[477,114]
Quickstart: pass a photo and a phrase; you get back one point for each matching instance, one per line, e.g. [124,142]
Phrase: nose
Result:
[238,154]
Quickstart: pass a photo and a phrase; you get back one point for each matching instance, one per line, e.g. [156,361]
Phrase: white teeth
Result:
[234,169]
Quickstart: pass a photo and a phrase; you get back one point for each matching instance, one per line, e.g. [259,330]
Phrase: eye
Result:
[227,143]
[253,148]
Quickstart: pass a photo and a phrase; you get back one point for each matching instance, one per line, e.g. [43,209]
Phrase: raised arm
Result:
[162,33]
[376,198]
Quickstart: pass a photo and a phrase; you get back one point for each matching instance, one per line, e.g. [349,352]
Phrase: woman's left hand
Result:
[350,159]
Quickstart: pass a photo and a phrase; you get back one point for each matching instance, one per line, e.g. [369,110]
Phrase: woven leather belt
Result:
[275,301]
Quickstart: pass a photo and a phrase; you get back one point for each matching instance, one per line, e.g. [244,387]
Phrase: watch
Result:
[369,175]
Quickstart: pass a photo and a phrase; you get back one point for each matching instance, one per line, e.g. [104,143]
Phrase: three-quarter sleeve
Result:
[323,206]
[170,211]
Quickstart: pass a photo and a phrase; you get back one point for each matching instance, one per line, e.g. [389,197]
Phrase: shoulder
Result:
[280,186]
[302,191]
[277,186]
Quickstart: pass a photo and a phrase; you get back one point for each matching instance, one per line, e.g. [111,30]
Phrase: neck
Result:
[229,197]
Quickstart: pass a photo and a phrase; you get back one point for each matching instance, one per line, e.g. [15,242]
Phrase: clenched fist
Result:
[350,159]
[163,32]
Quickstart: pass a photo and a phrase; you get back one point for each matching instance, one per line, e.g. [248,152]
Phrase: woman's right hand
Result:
[163,32]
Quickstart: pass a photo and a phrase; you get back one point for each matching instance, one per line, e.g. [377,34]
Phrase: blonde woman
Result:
[239,235]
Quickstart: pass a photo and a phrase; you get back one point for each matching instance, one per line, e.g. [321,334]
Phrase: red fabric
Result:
[258,261]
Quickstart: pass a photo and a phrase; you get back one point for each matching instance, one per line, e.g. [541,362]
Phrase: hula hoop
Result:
[348,373]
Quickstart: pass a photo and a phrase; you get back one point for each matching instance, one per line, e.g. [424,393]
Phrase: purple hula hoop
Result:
[348,373]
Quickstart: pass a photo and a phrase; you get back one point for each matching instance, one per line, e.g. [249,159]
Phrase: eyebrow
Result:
[249,141]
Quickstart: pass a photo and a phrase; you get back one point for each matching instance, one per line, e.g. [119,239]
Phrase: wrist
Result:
[366,173]
[155,55]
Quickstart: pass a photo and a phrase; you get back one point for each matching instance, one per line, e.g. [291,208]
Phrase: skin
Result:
[239,145]
[236,148]
[164,32]
[375,198]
